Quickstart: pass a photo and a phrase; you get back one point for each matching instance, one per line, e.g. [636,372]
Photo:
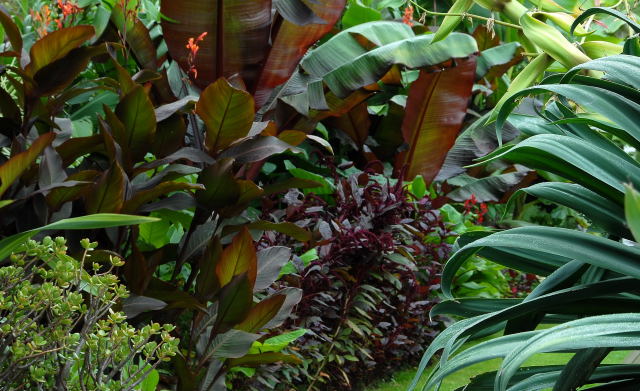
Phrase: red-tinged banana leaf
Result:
[435,111]
[227,113]
[261,313]
[137,37]
[355,123]
[237,37]
[18,164]
[291,43]
[237,258]
[56,45]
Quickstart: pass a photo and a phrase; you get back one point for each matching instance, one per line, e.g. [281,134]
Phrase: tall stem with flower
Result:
[193,44]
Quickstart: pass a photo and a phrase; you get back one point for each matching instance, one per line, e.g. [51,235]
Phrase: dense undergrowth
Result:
[311,195]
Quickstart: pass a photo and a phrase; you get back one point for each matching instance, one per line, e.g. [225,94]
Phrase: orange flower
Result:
[194,47]
[407,18]
[68,8]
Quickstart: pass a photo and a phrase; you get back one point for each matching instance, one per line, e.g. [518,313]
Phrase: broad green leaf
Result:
[592,167]
[13,169]
[227,113]
[562,242]
[347,45]
[616,331]
[96,221]
[277,343]
[415,52]
[357,13]
[600,210]
[494,62]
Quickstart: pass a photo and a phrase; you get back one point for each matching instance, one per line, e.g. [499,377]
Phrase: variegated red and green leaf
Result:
[227,113]
[237,258]
[435,111]
[291,42]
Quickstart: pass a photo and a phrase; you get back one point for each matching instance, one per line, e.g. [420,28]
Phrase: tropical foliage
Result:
[585,289]
[281,183]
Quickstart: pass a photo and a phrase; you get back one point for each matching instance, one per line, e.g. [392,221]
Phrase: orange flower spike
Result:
[192,45]
[407,18]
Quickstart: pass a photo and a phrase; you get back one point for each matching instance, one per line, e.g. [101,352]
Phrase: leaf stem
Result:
[465,15]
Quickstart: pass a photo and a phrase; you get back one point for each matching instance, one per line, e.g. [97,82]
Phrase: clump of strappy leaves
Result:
[59,329]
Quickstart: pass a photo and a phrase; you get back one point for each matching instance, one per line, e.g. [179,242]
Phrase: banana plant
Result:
[248,41]
[589,293]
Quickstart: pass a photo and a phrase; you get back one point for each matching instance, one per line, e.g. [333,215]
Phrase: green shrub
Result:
[59,328]
[588,135]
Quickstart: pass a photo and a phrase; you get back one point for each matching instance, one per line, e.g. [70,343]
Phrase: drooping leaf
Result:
[18,164]
[10,244]
[227,113]
[291,42]
[436,108]
[561,242]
